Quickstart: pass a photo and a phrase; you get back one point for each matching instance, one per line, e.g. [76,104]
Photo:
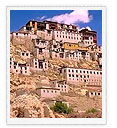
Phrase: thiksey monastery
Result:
[52,40]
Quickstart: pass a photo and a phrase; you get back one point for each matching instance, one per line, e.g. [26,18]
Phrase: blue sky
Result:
[91,18]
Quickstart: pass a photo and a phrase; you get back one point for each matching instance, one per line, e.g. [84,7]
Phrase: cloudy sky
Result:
[81,18]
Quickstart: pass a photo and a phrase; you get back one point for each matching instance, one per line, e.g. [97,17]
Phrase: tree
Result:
[61,108]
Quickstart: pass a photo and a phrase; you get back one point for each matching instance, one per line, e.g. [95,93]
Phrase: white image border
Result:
[104,71]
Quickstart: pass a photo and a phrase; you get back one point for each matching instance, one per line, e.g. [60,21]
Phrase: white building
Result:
[82,76]
[22,35]
[67,36]
[62,85]
[48,92]
[18,68]
[25,55]
[40,65]
[77,55]
[41,49]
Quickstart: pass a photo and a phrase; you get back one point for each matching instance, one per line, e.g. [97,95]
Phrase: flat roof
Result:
[81,68]
[99,89]
[47,87]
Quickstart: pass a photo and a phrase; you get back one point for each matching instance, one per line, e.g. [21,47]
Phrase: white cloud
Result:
[86,28]
[75,16]
[41,18]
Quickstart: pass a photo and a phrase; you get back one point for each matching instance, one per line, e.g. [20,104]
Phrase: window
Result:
[84,76]
[47,91]
[97,73]
[91,93]
[58,85]
[72,75]
[76,75]
[90,72]
[80,76]
[87,72]
[98,94]
[22,53]
[72,70]
[69,70]
[83,71]
[80,71]
[26,54]
[25,71]
[94,72]
[65,86]
[55,91]
[100,73]
[14,67]
[69,75]
[52,91]
[43,90]
[87,76]
[69,45]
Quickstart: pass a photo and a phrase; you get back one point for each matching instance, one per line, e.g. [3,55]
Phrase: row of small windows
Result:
[88,72]
[63,90]
[20,71]
[88,42]
[24,54]
[96,93]
[99,81]
[78,53]
[52,91]
[67,33]
[21,67]
[77,76]
[67,37]
[61,86]
[22,34]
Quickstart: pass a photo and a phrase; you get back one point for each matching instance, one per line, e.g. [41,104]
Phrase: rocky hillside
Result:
[23,100]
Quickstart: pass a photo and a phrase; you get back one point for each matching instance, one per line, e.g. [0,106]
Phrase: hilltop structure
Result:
[50,40]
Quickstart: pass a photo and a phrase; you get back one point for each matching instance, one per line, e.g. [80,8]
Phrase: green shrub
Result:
[60,107]
[92,110]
